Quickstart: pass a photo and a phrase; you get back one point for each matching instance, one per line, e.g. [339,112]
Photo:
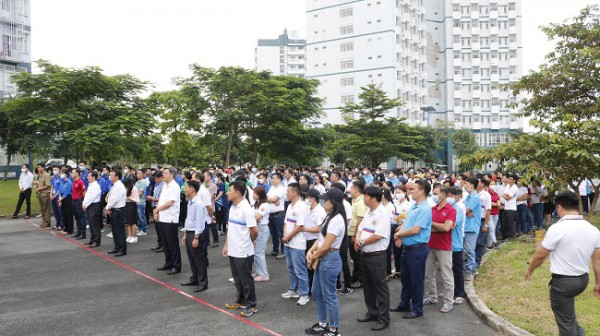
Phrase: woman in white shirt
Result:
[318,184]
[131,216]
[326,249]
[262,210]
[402,205]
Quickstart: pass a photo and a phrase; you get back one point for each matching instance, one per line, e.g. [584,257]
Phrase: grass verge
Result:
[501,285]
[9,195]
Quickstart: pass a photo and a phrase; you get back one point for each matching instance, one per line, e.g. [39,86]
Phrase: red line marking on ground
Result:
[164,284]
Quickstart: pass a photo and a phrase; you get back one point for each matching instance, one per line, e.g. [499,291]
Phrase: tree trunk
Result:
[8,155]
[229,144]
[254,150]
[593,201]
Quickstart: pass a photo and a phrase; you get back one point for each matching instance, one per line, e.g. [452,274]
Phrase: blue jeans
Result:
[412,278]
[57,213]
[538,215]
[141,212]
[296,265]
[470,244]
[323,289]
[276,229]
[260,263]
[522,214]
[480,245]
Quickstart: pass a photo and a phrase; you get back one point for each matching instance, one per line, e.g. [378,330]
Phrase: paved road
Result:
[52,286]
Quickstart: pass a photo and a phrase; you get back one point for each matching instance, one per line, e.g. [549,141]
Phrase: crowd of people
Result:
[410,224]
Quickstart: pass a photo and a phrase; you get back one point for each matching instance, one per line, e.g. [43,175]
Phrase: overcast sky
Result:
[157,40]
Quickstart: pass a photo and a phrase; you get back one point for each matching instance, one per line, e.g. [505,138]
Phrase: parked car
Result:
[59,162]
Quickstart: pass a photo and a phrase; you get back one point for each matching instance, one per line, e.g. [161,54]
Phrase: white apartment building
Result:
[353,43]
[15,28]
[476,47]
[284,55]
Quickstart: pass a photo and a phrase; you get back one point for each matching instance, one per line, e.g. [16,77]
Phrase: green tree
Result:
[373,138]
[464,144]
[562,100]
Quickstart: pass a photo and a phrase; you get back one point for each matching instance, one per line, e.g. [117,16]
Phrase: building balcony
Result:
[495,125]
[514,125]
[493,30]
[458,94]
[457,78]
[458,109]
[476,125]
[495,77]
[495,93]
[476,46]
[457,62]
[476,78]
[513,77]
[494,46]
[475,30]
[14,56]
[512,30]
[512,14]
[513,46]
[476,61]
[475,14]
[456,15]
[495,109]
[513,61]
[494,61]
[476,94]
[456,30]
[476,109]
[493,14]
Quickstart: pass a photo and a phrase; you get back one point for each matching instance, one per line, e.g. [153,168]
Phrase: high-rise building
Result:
[354,43]
[284,55]
[446,59]
[15,28]
[478,47]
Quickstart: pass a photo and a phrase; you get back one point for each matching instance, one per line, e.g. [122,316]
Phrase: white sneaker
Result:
[182,230]
[261,278]
[128,239]
[303,301]
[87,226]
[290,294]
[141,233]
[133,240]
[109,235]
[231,280]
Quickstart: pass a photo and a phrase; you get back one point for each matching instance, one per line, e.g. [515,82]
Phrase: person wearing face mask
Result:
[54,194]
[454,198]
[261,181]
[440,250]
[369,179]
[571,244]
[65,200]
[472,225]
[221,205]
[25,185]
[393,178]
[105,185]
[84,172]
[402,205]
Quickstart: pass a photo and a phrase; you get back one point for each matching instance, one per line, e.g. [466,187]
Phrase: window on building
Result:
[348,64]
[347,46]
[345,30]
[347,99]
[345,12]
[457,23]
[347,81]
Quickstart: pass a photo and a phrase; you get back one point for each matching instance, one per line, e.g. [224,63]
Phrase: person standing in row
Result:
[570,243]
[372,240]
[509,230]
[443,219]
[42,191]
[167,216]
[312,227]
[159,184]
[54,195]
[238,247]
[327,250]
[276,197]
[105,185]
[358,212]
[92,206]
[454,198]
[195,223]
[141,185]
[65,201]
[414,236]
[25,185]
[472,225]
[78,193]
[115,208]
[295,245]
[261,208]
[486,212]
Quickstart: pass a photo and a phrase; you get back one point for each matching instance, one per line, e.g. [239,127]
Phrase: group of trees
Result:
[562,100]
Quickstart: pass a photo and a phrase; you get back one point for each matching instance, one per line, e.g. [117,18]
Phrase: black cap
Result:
[333,194]
[312,192]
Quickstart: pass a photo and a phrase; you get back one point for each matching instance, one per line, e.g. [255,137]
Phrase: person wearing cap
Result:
[571,244]
[371,241]
[295,245]
[312,226]
[327,251]
[414,235]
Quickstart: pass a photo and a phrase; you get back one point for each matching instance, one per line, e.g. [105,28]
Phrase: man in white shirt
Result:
[167,216]
[571,243]
[91,205]
[486,209]
[25,184]
[195,223]
[276,198]
[372,240]
[522,207]
[206,199]
[510,207]
[241,234]
[115,208]
[295,245]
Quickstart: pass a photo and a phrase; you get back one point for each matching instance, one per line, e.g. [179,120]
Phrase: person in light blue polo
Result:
[457,245]
[414,235]
[472,225]
[369,179]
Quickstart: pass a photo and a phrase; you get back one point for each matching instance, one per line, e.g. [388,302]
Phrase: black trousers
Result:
[459,277]
[311,272]
[182,211]
[356,259]
[117,221]
[509,229]
[78,212]
[170,243]
[197,260]
[221,217]
[94,215]
[24,196]
[215,232]
[148,211]
[585,201]
[376,291]
[158,233]
[562,298]
[204,242]
[345,266]
[397,252]
[241,270]
[67,213]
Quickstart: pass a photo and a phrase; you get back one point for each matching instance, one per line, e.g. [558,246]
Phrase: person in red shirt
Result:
[491,237]
[78,193]
[440,249]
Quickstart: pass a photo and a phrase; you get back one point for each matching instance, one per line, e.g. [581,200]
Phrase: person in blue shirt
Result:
[457,245]
[393,178]
[84,172]
[54,194]
[472,225]
[369,179]
[414,235]
[105,185]
[65,200]
[179,179]
[262,181]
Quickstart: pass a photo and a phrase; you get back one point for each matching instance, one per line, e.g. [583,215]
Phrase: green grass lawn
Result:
[9,195]
[501,285]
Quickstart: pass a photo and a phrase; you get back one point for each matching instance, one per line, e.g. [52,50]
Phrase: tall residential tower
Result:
[15,26]
[282,56]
